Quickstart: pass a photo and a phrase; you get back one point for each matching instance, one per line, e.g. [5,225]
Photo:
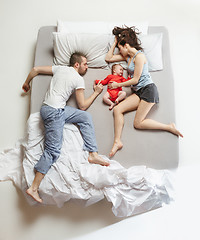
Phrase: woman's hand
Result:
[115,41]
[113,85]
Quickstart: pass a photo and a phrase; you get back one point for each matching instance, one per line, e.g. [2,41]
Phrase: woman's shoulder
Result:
[141,57]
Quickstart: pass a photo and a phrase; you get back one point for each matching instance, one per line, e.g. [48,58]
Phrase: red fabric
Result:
[109,79]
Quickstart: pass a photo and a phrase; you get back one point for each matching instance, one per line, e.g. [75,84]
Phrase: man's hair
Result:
[76,57]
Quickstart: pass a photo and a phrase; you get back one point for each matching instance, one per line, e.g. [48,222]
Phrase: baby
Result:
[114,96]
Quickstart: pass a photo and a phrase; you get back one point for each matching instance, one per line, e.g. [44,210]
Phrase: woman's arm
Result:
[139,63]
[110,57]
[34,72]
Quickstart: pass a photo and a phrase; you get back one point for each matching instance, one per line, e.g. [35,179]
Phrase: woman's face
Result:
[123,50]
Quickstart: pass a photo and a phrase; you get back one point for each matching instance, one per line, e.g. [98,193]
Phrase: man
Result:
[55,114]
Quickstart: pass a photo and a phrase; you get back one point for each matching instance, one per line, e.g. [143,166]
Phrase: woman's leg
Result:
[129,104]
[140,121]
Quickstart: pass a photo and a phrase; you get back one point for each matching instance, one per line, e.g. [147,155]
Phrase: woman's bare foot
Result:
[172,129]
[34,194]
[96,159]
[116,146]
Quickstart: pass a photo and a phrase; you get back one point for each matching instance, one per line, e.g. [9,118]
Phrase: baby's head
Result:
[117,69]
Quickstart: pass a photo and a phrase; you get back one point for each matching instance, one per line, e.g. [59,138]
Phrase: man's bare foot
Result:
[96,159]
[116,146]
[34,194]
[173,130]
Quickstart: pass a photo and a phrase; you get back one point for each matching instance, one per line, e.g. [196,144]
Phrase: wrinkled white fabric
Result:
[131,191]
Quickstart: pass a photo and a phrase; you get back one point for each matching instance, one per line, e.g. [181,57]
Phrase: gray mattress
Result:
[155,149]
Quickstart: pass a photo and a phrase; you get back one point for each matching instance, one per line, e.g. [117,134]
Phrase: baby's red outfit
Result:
[113,78]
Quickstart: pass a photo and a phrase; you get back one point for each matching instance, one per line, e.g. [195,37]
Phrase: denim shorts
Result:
[149,93]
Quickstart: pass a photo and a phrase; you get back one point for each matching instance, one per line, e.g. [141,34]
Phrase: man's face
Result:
[82,69]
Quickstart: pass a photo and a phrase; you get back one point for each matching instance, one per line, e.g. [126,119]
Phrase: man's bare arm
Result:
[34,72]
[83,103]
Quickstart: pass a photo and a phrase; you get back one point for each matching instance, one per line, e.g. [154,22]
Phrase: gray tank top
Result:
[145,77]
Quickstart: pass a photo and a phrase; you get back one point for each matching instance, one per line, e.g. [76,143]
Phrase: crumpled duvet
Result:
[131,191]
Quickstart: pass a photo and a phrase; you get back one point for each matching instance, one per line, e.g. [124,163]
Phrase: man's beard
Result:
[81,72]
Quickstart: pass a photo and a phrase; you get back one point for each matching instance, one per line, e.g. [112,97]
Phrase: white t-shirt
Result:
[64,81]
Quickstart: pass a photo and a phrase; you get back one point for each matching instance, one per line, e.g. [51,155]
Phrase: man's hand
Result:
[26,87]
[33,73]
[98,88]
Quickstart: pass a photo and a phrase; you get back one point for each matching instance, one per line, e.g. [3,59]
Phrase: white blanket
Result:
[131,191]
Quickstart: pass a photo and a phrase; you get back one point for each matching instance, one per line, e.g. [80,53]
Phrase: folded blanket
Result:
[131,191]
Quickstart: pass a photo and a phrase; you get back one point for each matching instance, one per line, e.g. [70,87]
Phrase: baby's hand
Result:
[97,81]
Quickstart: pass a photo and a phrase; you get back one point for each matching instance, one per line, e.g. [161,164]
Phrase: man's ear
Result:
[76,65]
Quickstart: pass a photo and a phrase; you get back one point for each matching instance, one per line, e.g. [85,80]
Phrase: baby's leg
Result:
[106,99]
[121,96]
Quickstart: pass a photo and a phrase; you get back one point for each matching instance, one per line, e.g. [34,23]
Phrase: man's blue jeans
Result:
[54,120]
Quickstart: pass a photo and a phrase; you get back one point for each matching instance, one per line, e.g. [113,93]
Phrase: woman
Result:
[145,93]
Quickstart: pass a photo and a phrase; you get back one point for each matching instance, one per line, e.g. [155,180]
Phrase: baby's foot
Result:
[34,194]
[116,146]
[112,106]
[96,159]
[116,101]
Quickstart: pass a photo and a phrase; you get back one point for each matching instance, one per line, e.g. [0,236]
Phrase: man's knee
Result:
[86,116]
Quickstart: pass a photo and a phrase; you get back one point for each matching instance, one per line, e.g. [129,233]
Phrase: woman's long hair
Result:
[127,35]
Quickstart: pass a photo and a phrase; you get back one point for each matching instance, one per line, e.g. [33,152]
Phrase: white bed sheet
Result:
[131,191]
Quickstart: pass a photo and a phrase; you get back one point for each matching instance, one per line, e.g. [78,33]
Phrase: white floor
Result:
[179,220]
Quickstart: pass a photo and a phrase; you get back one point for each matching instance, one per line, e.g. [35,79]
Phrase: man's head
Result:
[79,62]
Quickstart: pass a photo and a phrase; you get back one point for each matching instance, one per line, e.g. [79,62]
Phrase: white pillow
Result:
[98,27]
[152,46]
[82,27]
[94,46]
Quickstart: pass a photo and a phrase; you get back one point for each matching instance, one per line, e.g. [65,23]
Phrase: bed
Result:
[154,149]
[139,177]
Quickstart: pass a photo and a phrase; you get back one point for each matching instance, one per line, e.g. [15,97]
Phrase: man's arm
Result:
[34,72]
[83,103]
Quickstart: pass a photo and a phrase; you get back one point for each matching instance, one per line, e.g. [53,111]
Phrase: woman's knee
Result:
[117,110]
[137,124]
